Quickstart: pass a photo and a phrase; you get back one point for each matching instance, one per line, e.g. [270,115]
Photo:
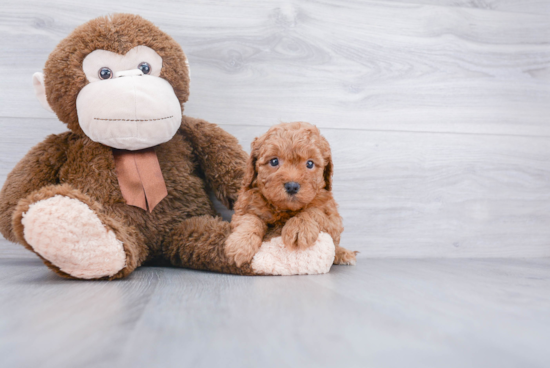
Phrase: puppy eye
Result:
[274,162]
[310,164]
[105,73]
[144,67]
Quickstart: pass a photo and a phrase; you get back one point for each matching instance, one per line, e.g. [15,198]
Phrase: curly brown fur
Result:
[265,209]
[200,156]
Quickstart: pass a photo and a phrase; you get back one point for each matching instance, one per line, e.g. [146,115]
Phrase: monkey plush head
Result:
[119,80]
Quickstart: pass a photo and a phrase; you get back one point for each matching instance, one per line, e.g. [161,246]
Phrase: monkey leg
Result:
[198,243]
[74,236]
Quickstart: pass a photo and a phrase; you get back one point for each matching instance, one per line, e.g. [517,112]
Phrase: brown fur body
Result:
[183,228]
[265,209]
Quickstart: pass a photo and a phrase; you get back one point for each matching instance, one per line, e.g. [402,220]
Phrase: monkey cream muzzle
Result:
[131,111]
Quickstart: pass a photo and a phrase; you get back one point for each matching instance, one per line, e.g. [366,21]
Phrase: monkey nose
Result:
[129,73]
[292,187]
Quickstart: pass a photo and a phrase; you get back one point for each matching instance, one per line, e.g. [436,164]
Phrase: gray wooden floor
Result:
[437,112]
[381,313]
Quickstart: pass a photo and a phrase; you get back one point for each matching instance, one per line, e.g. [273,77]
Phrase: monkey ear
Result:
[40,90]
[250,169]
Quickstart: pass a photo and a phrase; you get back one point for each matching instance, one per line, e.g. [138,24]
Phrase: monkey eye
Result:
[144,67]
[274,162]
[105,73]
[310,164]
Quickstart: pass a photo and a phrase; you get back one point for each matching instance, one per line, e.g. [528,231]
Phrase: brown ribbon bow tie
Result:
[140,178]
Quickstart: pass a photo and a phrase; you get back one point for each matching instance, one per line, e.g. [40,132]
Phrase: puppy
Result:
[286,191]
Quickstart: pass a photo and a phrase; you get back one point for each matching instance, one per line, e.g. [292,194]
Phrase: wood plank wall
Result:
[437,111]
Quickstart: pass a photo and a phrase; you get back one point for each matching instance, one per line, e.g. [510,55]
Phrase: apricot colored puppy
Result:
[286,191]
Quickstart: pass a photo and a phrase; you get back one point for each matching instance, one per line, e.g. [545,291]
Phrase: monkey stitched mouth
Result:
[167,117]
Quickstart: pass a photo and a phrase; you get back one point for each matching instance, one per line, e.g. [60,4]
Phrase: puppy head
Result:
[290,164]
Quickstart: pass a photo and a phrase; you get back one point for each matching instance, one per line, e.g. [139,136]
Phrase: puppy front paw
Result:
[345,257]
[241,247]
[300,234]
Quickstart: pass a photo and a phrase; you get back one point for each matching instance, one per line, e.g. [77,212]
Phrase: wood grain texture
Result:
[381,313]
[437,111]
[512,6]
[437,114]
[411,194]
[348,64]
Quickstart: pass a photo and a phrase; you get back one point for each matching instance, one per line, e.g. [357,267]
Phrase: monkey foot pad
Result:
[274,259]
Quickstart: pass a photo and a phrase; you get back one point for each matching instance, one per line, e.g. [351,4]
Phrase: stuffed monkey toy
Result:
[127,184]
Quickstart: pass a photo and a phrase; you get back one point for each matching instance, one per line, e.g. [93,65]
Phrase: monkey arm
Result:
[220,157]
[39,168]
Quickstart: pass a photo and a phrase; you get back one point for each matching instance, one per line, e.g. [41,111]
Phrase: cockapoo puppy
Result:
[286,191]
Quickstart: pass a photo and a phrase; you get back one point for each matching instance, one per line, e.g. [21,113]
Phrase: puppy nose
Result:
[292,187]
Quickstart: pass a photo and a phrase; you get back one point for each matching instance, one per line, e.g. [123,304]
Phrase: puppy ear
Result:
[249,180]
[327,173]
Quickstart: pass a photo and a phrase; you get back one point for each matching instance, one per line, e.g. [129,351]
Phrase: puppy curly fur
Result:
[265,209]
